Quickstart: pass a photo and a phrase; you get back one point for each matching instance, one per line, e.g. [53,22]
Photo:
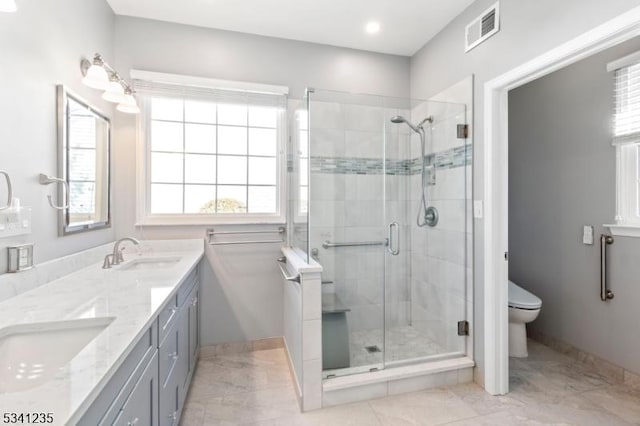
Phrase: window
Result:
[303,163]
[212,156]
[626,139]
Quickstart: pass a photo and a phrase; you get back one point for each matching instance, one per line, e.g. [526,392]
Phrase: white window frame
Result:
[144,217]
[627,218]
[627,185]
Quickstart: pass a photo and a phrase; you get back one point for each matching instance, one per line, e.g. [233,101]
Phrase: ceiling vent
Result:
[483,27]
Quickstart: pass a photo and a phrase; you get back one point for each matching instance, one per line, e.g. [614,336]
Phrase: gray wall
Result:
[561,177]
[528,29]
[242,287]
[182,49]
[42,45]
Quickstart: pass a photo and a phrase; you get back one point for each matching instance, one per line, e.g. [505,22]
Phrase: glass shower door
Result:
[393,287]
[426,294]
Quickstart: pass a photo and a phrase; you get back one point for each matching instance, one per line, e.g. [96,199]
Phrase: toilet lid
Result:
[521,298]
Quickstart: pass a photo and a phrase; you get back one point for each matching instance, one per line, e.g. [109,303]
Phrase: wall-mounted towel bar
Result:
[605,293]
[282,262]
[9,190]
[211,233]
[329,244]
[48,180]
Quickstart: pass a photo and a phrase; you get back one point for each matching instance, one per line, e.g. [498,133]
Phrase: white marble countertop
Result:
[132,297]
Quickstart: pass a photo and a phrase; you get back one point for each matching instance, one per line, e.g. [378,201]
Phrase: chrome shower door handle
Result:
[394,249]
[9,190]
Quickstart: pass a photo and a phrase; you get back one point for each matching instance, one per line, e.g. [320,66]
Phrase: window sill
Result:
[170,220]
[625,230]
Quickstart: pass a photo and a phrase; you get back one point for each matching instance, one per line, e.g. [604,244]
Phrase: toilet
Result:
[524,307]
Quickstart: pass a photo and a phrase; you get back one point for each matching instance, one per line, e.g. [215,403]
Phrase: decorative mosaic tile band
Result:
[451,158]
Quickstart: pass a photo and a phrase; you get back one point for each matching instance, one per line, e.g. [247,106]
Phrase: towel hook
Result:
[9,190]
[47,180]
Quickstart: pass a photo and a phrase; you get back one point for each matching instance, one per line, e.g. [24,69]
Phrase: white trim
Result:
[495,171]
[626,61]
[396,373]
[205,220]
[209,83]
[625,230]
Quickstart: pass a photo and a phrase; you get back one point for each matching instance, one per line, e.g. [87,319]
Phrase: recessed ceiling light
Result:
[8,6]
[372,27]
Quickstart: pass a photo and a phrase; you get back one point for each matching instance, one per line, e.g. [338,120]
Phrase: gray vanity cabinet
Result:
[170,357]
[176,360]
[193,313]
[150,386]
[141,406]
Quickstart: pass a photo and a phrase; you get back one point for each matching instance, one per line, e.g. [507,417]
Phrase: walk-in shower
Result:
[394,291]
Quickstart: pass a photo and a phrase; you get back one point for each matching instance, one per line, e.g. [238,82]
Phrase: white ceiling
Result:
[406,25]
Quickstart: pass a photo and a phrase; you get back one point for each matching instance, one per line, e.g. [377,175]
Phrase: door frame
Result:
[496,175]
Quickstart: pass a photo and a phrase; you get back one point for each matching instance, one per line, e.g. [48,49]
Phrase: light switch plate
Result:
[587,235]
[478,209]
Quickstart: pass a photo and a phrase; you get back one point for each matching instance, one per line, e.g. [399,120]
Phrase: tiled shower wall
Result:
[439,258]
[347,193]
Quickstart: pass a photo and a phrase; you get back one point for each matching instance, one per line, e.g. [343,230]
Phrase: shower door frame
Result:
[496,179]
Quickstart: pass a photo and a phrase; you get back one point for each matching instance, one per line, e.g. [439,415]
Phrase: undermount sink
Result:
[31,354]
[145,263]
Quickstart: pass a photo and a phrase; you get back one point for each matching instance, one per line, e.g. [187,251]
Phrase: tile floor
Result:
[546,389]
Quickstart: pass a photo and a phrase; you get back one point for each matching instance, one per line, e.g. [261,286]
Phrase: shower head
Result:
[400,119]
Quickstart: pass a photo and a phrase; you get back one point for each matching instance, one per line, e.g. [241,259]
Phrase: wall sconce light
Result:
[8,6]
[100,75]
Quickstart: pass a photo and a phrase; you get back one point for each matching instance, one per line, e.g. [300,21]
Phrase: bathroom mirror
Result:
[84,139]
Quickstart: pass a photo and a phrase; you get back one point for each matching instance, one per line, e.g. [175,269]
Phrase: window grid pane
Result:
[181,151]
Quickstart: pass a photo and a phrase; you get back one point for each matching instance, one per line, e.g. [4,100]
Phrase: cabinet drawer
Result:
[169,403]
[168,354]
[167,318]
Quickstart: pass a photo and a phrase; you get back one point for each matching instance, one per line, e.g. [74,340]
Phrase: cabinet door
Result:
[170,382]
[182,372]
[170,402]
[194,327]
[141,407]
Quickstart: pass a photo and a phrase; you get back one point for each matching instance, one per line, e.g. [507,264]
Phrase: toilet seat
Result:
[520,298]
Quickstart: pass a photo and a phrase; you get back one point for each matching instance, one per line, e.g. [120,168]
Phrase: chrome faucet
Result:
[116,257]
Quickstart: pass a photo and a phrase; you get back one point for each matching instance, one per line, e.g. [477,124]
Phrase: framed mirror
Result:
[84,142]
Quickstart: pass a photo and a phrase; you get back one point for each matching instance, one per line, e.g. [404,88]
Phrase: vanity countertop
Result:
[131,296]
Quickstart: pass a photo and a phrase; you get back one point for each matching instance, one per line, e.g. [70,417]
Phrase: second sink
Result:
[145,263]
